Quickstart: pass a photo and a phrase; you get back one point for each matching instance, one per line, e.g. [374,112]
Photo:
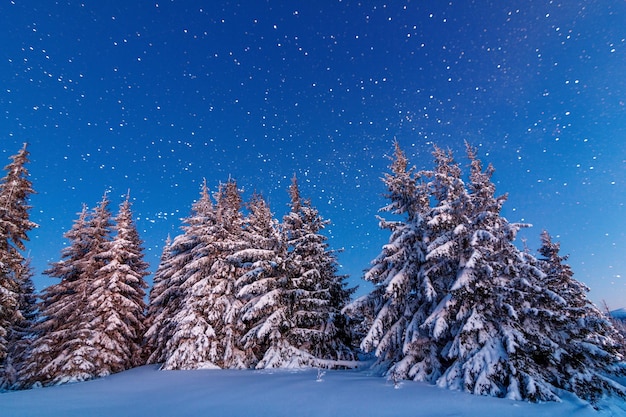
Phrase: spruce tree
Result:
[583,348]
[117,297]
[168,296]
[17,309]
[260,263]
[403,294]
[493,320]
[224,305]
[478,325]
[60,308]
[322,292]
[207,330]
[298,309]
[65,349]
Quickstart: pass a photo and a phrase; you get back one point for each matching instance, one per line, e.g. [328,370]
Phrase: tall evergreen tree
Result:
[59,306]
[260,263]
[492,287]
[17,310]
[22,330]
[403,294]
[207,331]
[582,347]
[224,306]
[117,297]
[484,322]
[154,308]
[168,296]
[321,292]
[296,306]
[65,349]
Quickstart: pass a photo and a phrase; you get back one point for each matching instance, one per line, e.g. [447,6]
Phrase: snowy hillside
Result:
[619,314]
[146,391]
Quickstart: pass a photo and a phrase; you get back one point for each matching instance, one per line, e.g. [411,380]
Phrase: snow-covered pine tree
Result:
[207,330]
[579,347]
[117,295]
[478,325]
[303,319]
[153,310]
[225,308]
[403,294]
[23,330]
[492,329]
[17,300]
[261,264]
[168,294]
[445,237]
[15,191]
[58,306]
[80,352]
[454,323]
[64,350]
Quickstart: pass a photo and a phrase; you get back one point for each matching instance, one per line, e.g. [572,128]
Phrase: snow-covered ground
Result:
[146,391]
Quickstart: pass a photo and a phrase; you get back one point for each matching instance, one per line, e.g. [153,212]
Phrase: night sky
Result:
[156,96]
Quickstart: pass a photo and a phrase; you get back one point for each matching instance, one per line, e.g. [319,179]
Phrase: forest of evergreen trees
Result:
[454,301]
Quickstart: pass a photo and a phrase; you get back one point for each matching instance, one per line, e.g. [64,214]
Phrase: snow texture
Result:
[145,391]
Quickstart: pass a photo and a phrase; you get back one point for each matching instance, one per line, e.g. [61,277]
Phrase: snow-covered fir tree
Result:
[65,349]
[206,330]
[403,294]
[17,300]
[167,295]
[457,304]
[58,306]
[224,305]
[296,295]
[582,347]
[116,298]
[22,330]
[261,263]
[322,292]
[154,308]
[445,237]
[479,324]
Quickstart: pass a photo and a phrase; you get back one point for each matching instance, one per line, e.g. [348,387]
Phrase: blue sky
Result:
[156,96]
